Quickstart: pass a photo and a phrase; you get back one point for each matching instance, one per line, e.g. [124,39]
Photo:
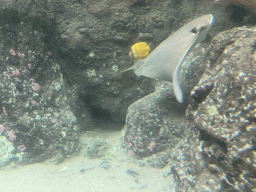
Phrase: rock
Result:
[7,151]
[153,124]
[221,118]
[97,149]
[34,101]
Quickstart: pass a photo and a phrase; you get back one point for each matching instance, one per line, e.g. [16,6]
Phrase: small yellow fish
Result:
[139,50]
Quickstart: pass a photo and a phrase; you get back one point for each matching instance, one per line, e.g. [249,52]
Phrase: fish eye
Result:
[197,30]
[194,30]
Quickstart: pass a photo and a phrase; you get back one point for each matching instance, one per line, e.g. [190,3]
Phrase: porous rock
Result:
[221,119]
[153,125]
[7,151]
[36,121]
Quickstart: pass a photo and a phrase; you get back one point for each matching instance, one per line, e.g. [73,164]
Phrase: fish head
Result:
[201,26]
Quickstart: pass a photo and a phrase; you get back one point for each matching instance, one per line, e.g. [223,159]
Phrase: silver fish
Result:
[165,60]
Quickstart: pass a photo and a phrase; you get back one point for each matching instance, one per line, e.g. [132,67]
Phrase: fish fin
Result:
[135,66]
[176,87]
[177,90]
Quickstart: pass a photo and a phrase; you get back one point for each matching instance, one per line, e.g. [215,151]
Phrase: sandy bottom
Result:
[114,173]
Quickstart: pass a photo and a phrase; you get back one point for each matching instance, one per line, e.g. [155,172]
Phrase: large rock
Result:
[215,151]
[153,124]
[221,119]
[37,122]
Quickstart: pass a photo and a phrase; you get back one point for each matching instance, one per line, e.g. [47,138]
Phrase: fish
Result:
[139,50]
[165,60]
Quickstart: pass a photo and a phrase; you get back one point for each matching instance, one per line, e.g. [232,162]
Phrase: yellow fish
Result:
[139,50]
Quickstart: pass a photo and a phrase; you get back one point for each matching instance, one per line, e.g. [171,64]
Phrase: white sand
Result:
[81,174]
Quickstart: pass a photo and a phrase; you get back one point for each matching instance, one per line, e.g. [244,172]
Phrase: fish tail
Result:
[178,92]
[135,66]
[176,87]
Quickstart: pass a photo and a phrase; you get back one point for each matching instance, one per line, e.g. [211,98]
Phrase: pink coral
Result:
[15,74]
[11,135]
[36,86]
[130,152]
[2,128]
[4,111]
[21,147]
[152,146]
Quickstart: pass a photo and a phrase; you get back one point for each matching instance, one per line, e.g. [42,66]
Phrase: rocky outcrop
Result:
[61,64]
[221,117]
[215,151]
[153,125]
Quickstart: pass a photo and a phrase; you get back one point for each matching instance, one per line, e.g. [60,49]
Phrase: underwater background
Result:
[72,119]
